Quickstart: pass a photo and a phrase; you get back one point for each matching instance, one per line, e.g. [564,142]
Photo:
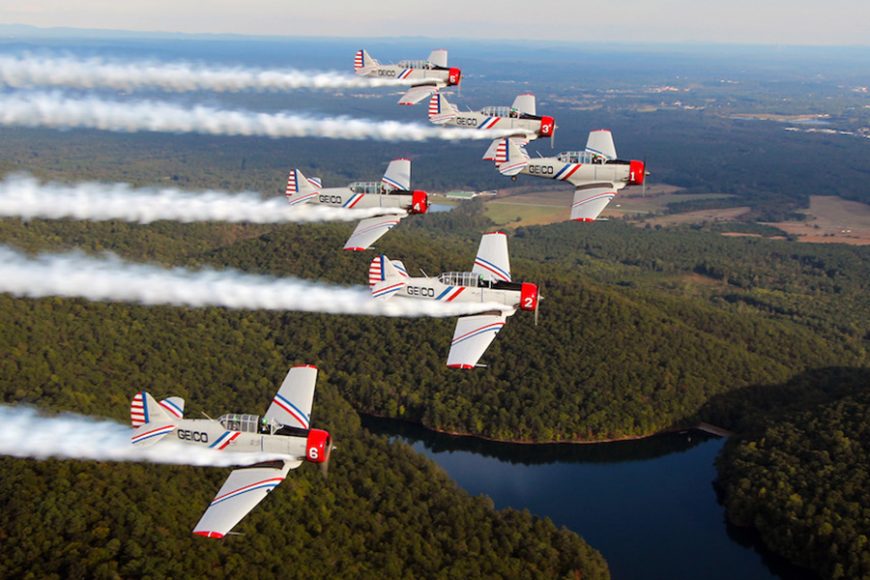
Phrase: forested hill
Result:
[804,483]
[633,337]
[385,511]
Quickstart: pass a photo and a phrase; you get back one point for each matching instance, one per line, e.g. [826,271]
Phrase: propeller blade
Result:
[324,467]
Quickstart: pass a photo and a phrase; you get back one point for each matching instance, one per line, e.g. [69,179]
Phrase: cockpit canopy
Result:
[471,279]
[500,111]
[368,187]
[581,157]
[239,422]
[416,64]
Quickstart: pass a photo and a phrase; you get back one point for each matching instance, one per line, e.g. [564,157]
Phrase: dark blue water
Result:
[649,506]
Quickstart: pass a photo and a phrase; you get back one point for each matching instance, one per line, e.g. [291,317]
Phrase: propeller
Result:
[538,303]
[324,467]
[645,174]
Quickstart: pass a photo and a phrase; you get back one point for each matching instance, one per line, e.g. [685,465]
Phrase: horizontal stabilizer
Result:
[150,433]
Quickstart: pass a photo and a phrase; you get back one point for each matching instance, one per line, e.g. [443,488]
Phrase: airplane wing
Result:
[590,200]
[600,142]
[369,230]
[492,261]
[292,403]
[240,493]
[510,155]
[417,94]
[472,337]
[398,174]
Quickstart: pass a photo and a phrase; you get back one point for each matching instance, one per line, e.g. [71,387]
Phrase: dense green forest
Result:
[804,483]
[384,511]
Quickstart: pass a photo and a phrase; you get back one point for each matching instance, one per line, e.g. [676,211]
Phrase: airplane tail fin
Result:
[440,111]
[382,269]
[363,60]
[145,409]
[299,188]
[510,156]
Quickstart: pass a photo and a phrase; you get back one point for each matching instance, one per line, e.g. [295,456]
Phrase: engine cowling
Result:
[528,296]
[636,172]
[454,76]
[548,126]
[419,201]
[317,446]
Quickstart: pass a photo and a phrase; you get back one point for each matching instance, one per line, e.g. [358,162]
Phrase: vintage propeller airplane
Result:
[520,116]
[595,173]
[284,430]
[424,76]
[488,282]
[393,193]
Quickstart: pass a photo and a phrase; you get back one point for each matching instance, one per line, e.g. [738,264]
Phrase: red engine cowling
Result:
[528,296]
[454,76]
[317,446]
[419,201]
[548,126]
[636,172]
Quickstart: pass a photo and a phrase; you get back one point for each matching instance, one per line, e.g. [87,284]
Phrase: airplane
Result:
[392,193]
[425,76]
[284,430]
[489,281]
[521,115]
[596,173]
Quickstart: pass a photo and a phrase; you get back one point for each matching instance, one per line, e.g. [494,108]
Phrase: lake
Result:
[648,505]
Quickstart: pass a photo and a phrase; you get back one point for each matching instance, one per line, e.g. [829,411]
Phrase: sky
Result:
[795,22]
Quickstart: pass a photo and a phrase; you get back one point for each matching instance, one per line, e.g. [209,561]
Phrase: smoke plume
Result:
[53,110]
[110,279]
[27,70]
[26,197]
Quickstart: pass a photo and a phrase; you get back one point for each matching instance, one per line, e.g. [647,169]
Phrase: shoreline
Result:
[701,426]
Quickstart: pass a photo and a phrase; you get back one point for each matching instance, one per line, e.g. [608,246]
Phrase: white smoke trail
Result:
[26,197]
[75,275]
[27,70]
[28,434]
[56,111]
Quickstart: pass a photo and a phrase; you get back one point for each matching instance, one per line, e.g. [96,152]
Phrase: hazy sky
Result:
[814,22]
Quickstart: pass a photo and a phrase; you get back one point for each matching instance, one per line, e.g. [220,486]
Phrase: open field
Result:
[832,220]
[695,217]
[527,206]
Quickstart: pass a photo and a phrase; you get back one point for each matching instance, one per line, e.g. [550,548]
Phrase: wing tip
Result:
[208,534]
[584,220]
[496,233]
[355,249]
[305,367]
[462,366]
